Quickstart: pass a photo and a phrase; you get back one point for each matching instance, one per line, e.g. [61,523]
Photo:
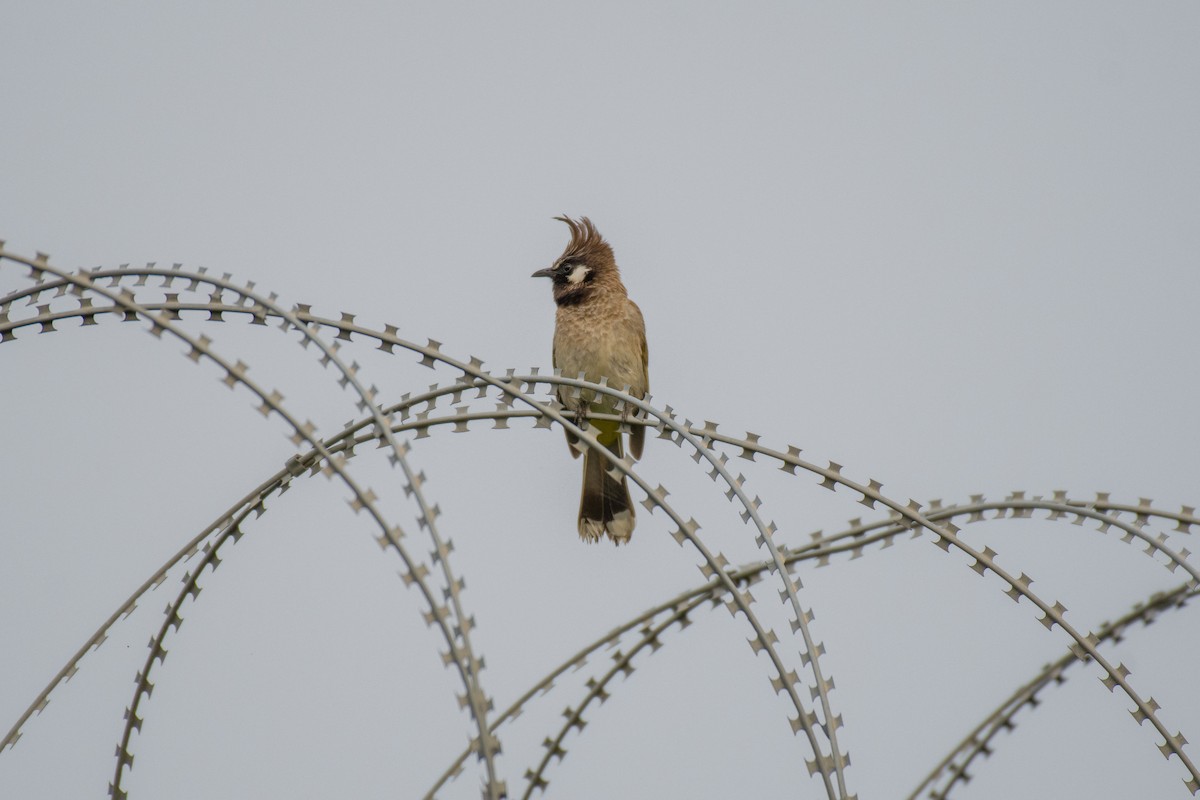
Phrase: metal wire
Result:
[727,585]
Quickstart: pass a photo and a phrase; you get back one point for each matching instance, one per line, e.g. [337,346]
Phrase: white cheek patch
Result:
[578,274]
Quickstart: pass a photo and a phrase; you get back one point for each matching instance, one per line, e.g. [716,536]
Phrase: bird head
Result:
[585,264]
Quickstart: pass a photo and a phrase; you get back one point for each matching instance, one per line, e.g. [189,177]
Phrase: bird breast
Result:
[600,343]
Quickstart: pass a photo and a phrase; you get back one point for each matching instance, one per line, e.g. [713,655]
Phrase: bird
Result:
[599,333]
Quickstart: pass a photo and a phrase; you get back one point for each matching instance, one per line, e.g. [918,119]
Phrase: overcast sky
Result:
[952,246]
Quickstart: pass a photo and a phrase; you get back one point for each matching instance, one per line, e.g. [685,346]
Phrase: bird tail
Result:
[604,505]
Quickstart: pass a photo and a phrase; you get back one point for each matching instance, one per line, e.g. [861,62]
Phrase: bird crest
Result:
[586,242]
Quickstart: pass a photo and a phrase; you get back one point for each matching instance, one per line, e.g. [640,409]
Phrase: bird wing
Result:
[637,436]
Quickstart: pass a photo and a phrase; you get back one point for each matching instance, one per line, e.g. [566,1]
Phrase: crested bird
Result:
[599,333]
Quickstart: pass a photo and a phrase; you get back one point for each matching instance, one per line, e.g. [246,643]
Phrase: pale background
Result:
[952,246]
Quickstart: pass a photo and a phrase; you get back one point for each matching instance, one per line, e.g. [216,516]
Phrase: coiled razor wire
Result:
[726,585]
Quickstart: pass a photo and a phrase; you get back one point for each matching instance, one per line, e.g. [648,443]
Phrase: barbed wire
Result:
[726,585]
[364,498]
[764,640]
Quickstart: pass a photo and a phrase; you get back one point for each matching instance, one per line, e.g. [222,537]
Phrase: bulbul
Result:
[599,332]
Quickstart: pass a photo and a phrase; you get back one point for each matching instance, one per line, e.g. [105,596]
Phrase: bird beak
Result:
[548,272]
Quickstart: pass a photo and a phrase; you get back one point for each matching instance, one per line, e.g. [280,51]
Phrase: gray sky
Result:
[950,246]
